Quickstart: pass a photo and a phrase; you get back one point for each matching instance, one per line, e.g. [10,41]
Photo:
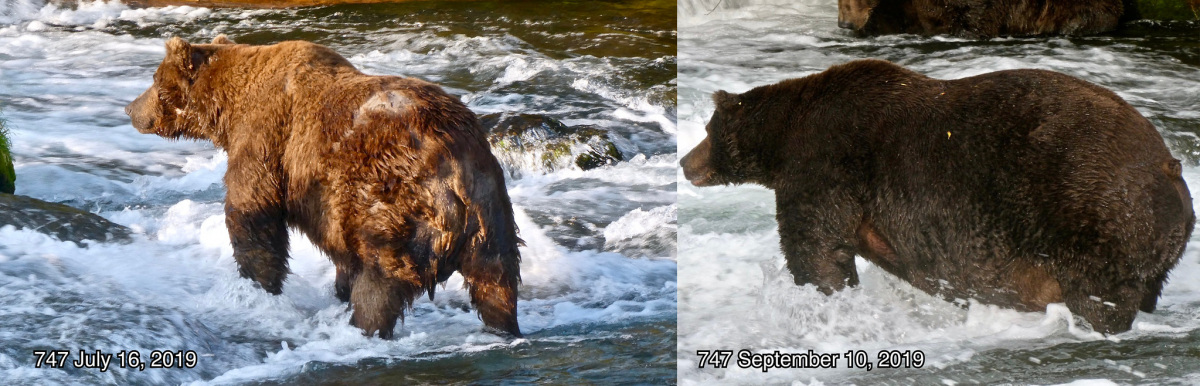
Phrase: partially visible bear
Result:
[391,177]
[988,18]
[1016,188]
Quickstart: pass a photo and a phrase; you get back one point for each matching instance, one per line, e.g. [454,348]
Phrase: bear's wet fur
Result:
[1017,188]
[979,18]
[391,177]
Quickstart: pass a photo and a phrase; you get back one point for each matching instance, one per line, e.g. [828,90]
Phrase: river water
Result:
[735,294]
[598,301]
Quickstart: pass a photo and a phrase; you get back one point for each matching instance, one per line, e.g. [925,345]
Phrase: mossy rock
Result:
[538,142]
[8,176]
[57,220]
[1162,9]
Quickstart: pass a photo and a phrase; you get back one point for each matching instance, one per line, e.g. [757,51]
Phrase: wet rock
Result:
[544,144]
[57,220]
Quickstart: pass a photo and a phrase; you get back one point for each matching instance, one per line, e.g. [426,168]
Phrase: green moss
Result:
[8,176]
[608,155]
[555,143]
[555,151]
[1165,9]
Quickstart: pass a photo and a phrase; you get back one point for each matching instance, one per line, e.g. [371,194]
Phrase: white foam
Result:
[695,12]
[631,233]
[509,61]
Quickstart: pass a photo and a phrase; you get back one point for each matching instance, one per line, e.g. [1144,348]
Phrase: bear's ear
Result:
[180,53]
[726,101]
[222,39]
[184,55]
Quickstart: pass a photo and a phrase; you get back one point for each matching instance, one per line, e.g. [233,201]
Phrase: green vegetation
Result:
[8,176]
[1165,9]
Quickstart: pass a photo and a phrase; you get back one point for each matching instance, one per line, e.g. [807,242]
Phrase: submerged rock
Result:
[537,142]
[57,220]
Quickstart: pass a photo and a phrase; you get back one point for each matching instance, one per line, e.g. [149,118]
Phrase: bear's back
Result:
[1040,160]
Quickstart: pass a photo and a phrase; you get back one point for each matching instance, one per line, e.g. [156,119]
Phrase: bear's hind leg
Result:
[377,301]
[493,289]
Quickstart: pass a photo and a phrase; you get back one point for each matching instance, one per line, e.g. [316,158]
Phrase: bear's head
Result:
[876,17]
[853,14]
[165,109]
[732,152]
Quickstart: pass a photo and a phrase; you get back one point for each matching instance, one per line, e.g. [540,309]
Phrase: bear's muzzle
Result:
[142,111]
[696,165]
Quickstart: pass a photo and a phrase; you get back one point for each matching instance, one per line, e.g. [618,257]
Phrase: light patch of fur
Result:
[390,101]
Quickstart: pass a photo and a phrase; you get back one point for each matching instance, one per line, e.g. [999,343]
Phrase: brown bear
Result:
[1016,188]
[391,177]
[979,18]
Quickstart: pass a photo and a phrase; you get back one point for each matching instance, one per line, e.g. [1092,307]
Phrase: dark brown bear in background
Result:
[391,177]
[988,18]
[1016,188]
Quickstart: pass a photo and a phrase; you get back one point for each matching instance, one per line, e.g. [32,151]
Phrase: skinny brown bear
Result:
[390,177]
[1017,188]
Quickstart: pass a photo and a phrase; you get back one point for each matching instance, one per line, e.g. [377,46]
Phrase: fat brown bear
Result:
[989,18]
[1016,188]
[391,177]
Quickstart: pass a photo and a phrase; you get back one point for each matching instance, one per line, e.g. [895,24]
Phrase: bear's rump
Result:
[390,174]
[959,208]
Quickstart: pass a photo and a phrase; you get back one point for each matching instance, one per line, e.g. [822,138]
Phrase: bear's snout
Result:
[695,165]
[853,14]
[141,111]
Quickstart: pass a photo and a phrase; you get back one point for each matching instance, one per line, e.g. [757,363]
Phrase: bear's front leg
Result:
[1109,307]
[255,217]
[817,235]
[492,283]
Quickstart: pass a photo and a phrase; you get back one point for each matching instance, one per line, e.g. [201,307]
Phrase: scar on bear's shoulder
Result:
[387,100]
[390,101]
